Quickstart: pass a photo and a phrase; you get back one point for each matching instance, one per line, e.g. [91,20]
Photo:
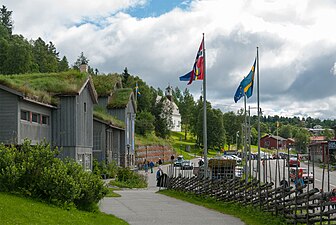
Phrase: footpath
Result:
[146,207]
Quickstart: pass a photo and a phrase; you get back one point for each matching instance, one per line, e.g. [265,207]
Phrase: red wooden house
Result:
[273,142]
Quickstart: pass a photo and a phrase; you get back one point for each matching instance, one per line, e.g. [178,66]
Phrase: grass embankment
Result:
[19,210]
[249,215]
[180,144]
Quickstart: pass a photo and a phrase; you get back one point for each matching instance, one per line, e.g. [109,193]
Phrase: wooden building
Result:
[273,142]
[119,103]
[64,118]
[318,151]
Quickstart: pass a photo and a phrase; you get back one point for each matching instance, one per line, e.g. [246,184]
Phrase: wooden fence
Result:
[299,205]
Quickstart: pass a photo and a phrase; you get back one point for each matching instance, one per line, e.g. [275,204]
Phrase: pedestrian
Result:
[146,166]
[160,162]
[159,172]
[172,158]
[299,184]
[151,166]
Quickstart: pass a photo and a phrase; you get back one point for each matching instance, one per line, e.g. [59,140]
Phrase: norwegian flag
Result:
[197,72]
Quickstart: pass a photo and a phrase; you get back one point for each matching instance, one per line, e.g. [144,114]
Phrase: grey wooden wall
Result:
[8,117]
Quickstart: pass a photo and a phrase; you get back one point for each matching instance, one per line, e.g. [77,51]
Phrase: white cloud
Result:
[293,37]
[333,69]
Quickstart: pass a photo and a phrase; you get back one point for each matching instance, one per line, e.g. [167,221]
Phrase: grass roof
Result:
[101,113]
[44,87]
[105,84]
[120,98]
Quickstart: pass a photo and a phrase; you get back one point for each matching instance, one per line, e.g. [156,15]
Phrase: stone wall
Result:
[153,153]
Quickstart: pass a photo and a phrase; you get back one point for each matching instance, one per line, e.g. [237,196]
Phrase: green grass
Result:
[120,98]
[44,86]
[111,193]
[180,144]
[19,210]
[105,84]
[101,113]
[249,215]
[150,139]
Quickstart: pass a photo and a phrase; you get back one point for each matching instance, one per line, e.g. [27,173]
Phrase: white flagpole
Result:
[258,105]
[205,141]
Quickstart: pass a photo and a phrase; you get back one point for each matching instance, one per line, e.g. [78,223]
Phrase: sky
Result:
[157,40]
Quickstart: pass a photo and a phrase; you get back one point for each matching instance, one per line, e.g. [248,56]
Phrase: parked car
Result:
[187,165]
[301,173]
[238,159]
[178,161]
[293,162]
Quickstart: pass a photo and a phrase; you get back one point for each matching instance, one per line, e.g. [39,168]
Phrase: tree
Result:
[63,65]
[144,123]
[215,132]
[6,19]
[232,124]
[125,75]
[186,108]
[328,134]
[19,57]
[45,56]
[285,131]
[80,61]
[301,137]
[162,118]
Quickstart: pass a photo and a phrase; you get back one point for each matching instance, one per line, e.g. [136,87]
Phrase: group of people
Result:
[148,165]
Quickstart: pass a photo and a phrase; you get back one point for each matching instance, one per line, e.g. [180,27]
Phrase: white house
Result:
[170,104]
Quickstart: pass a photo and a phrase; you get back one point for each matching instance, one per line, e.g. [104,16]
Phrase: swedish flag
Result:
[246,85]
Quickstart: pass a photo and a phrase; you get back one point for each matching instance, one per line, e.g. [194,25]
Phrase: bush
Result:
[35,171]
[129,179]
[110,170]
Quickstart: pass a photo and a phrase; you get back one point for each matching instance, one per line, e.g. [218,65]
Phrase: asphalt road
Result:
[319,174]
[145,206]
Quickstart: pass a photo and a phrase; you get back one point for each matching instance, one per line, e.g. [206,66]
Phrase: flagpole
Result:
[205,141]
[245,138]
[258,105]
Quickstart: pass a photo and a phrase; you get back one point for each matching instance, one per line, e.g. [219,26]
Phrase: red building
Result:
[273,142]
[318,151]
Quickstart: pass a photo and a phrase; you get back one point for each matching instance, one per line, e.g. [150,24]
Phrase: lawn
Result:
[19,210]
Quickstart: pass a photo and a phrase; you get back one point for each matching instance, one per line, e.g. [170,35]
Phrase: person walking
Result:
[160,162]
[146,166]
[159,173]
[151,166]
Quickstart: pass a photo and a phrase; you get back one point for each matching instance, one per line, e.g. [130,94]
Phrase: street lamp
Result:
[128,156]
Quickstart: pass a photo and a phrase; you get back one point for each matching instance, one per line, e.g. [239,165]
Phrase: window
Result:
[45,120]
[84,106]
[87,162]
[80,159]
[24,115]
[35,118]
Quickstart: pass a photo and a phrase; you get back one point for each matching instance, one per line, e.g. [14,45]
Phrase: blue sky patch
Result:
[155,8]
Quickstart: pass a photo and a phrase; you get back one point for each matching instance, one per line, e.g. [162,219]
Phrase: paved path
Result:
[145,207]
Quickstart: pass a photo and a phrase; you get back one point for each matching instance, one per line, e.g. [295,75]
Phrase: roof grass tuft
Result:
[44,87]
[120,98]
[101,113]
[106,84]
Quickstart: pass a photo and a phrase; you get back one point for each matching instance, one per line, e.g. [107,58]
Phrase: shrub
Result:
[36,172]
[110,170]
[129,179]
